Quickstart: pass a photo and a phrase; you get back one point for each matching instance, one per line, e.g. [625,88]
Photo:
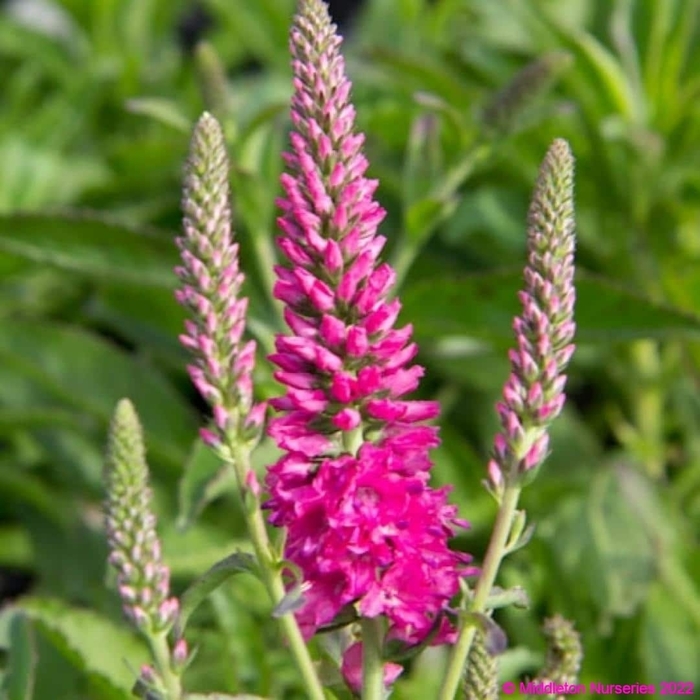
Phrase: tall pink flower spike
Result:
[352,488]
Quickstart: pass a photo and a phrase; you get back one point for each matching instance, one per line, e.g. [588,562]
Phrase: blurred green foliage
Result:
[459,100]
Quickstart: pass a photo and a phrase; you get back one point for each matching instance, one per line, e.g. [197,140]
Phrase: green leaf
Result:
[91,245]
[603,548]
[218,574]
[21,486]
[483,305]
[75,369]
[162,110]
[206,477]
[16,549]
[190,553]
[503,597]
[35,177]
[602,67]
[106,652]
[147,316]
[420,72]
[669,642]
[424,215]
[19,681]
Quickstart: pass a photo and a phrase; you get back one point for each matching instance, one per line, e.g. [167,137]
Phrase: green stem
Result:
[372,665]
[494,556]
[272,577]
[648,406]
[161,655]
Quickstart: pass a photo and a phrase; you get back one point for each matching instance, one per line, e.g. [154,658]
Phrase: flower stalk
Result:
[135,552]
[533,395]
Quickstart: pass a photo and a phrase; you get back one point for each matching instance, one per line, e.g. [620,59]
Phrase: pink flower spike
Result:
[356,451]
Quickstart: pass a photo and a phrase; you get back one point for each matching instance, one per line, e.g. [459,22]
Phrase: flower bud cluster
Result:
[211,292]
[135,552]
[534,393]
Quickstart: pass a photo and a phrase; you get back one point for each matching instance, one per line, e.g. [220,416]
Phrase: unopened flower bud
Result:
[130,524]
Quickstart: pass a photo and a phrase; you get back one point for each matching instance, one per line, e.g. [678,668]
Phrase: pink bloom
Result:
[352,487]
[352,668]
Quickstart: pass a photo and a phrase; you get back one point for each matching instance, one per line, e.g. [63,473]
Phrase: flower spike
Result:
[352,488]
[210,291]
[534,393]
[135,552]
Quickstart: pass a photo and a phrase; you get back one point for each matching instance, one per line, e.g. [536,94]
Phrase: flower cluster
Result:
[143,579]
[211,285]
[534,393]
[352,486]
[564,651]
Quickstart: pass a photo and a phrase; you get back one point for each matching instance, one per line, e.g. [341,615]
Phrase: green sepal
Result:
[502,598]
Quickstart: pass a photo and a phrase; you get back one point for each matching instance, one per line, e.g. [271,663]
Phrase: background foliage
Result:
[97,103]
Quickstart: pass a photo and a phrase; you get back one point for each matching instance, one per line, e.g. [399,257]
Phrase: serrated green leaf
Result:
[218,574]
[92,643]
[91,245]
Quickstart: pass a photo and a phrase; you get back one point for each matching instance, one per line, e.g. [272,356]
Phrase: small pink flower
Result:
[352,668]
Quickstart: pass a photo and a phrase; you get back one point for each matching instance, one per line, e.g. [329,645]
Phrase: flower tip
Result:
[125,417]
[125,446]
[207,122]
[559,162]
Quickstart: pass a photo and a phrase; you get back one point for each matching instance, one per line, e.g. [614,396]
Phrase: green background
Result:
[98,100]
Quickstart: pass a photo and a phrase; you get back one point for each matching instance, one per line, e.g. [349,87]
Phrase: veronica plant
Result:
[366,538]
[534,393]
[352,487]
